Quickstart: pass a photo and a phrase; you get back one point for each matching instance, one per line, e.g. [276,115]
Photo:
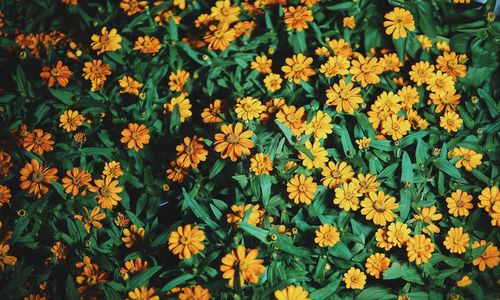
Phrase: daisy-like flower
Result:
[335,174]
[382,239]
[107,191]
[469,159]
[425,42]
[187,240]
[440,82]
[135,136]
[183,104]
[398,234]
[327,236]
[298,68]
[428,215]
[112,169]
[219,37]
[132,235]
[134,266]
[297,17]
[340,47]
[195,292]
[210,115]
[107,41]
[147,44]
[93,218]
[260,163]
[398,21]
[177,80]
[335,65]
[449,63]
[224,12]
[132,7]
[447,101]
[488,197]
[376,264]
[59,250]
[347,197]
[191,152]
[391,62]
[4,258]
[143,293]
[354,279]
[457,240]
[379,208]
[366,70]
[239,212]
[459,203]
[75,180]
[249,108]
[409,96]
[5,196]
[349,22]
[244,261]
[344,96]
[366,183]
[421,72]
[35,178]
[233,142]
[262,64]
[489,258]
[292,292]
[395,126]
[59,73]
[96,71]
[301,189]
[38,141]
[419,249]
[464,281]
[363,143]
[320,126]
[5,163]
[273,82]
[176,173]
[70,120]
[320,155]
[450,121]
[129,85]
[293,118]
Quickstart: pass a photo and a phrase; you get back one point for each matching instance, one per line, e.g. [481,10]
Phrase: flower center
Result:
[37,177]
[185,240]
[232,138]
[379,206]
[105,191]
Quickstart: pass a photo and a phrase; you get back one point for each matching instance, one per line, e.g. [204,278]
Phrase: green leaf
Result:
[374,293]
[172,30]
[175,120]
[59,189]
[447,167]
[265,185]
[400,45]
[405,203]
[256,232]
[63,96]
[286,131]
[175,282]
[406,169]
[217,168]
[327,290]
[345,139]
[142,278]
[490,103]
[71,292]
[343,6]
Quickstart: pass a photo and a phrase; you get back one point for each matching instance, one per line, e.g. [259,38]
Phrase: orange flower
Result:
[112,169]
[187,240]
[135,136]
[244,261]
[59,250]
[177,80]
[297,17]
[366,70]
[4,195]
[220,37]
[132,7]
[107,41]
[107,190]
[233,141]
[76,179]
[4,258]
[191,152]
[93,218]
[34,178]
[38,142]
[298,68]
[60,74]
[132,235]
[134,266]
[489,258]
[210,114]
[5,163]
[147,44]
[176,173]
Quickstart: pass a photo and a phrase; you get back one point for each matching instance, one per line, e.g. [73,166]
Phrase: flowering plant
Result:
[268,149]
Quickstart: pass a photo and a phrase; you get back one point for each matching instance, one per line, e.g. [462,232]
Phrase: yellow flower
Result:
[292,118]
[70,120]
[292,292]
[349,22]
[419,249]
[210,115]
[363,143]
[246,262]
[96,71]
[4,258]
[379,208]
[183,104]
[327,236]
[301,189]
[440,82]
[233,141]
[421,72]
[249,108]
[354,279]
[135,136]
[107,41]
[107,191]
[320,155]
[177,80]
[132,7]
[449,63]
[489,258]
[142,293]
[489,196]
[464,281]
[347,197]
[382,238]
[93,220]
[191,152]
[112,169]
[224,12]
[335,65]
[59,250]
[398,234]
[76,179]
[129,85]
[132,235]
[260,163]
[262,64]
[297,17]
[195,292]
[398,21]
[147,44]
[344,96]
[459,203]
[451,121]
[409,96]
[335,174]
[5,196]
[457,240]
[366,70]
[340,47]
[395,126]
[469,158]
[298,68]
[273,82]
[219,37]
[366,183]
[376,264]
[444,100]
[239,212]
[425,42]
[428,215]
[391,62]
[187,240]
